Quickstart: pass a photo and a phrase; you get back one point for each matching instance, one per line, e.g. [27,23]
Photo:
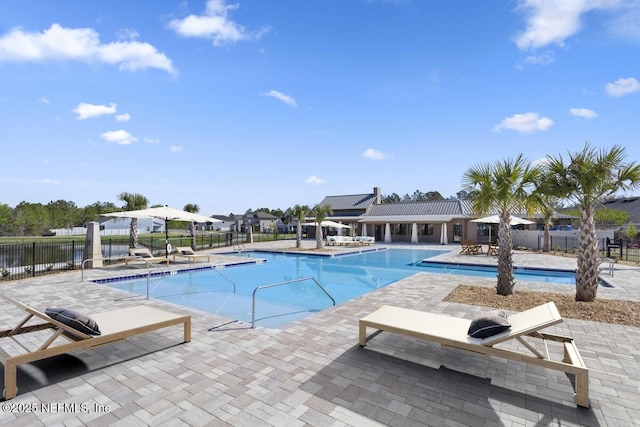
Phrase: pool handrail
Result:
[253,298]
[226,278]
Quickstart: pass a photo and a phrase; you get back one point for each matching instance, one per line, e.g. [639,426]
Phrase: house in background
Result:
[120,226]
[437,221]
[260,222]
[226,223]
[630,205]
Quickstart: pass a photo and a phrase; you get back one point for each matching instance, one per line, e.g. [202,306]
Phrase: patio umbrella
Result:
[444,240]
[328,223]
[165,213]
[495,219]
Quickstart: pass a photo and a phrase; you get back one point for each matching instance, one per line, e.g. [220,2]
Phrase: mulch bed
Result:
[600,310]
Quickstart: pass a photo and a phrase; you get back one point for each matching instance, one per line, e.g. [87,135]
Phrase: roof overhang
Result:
[399,219]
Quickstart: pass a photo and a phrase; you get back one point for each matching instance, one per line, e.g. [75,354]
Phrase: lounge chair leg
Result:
[10,388]
[582,389]
[187,330]
[362,339]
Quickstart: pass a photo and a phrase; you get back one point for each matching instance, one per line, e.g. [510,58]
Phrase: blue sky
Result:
[240,105]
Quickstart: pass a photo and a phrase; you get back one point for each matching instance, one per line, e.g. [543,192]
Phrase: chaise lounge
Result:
[144,254]
[188,253]
[453,332]
[81,333]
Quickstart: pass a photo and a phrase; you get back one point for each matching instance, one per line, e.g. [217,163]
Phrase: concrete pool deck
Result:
[313,372]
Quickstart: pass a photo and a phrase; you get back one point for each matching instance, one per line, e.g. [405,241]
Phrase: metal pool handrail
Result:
[253,298]
[226,278]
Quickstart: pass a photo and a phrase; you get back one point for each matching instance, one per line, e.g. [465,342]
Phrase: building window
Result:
[427,230]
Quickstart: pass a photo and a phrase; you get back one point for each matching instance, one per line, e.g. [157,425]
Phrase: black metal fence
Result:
[23,260]
[622,249]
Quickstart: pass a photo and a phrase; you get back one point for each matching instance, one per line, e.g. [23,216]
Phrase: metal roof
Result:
[450,208]
[630,204]
[353,201]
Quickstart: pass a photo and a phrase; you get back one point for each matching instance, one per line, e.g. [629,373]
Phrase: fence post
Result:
[33,259]
[620,247]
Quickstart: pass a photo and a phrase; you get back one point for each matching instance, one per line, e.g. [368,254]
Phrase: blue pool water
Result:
[228,291]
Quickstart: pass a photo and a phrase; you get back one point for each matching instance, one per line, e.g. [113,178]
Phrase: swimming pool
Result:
[229,291]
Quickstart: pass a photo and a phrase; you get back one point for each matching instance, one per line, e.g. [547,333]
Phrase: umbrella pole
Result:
[166,238]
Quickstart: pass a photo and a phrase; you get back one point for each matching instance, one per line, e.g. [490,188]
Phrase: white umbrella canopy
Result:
[495,219]
[165,213]
[328,223]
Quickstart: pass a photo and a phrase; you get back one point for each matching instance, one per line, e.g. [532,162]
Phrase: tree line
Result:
[36,219]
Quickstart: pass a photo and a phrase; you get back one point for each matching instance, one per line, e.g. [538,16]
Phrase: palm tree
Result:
[133,202]
[587,179]
[300,213]
[503,187]
[320,212]
[192,208]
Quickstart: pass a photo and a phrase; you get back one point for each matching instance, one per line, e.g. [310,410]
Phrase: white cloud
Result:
[151,141]
[373,154]
[79,44]
[119,137]
[552,22]
[85,111]
[214,24]
[524,123]
[543,59]
[585,113]
[314,180]
[282,97]
[44,100]
[622,87]
[175,149]
[123,117]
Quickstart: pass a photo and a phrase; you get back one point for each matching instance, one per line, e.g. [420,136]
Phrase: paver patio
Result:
[313,372]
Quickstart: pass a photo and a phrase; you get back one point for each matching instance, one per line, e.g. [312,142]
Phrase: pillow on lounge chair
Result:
[490,323]
[76,320]
[186,252]
[143,254]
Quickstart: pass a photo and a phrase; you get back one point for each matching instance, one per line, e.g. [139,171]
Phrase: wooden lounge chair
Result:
[145,255]
[493,249]
[114,326]
[188,253]
[469,247]
[452,332]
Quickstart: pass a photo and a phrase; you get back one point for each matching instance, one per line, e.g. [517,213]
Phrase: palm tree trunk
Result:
[299,235]
[192,234]
[133,233]
[546,245]
[506,281]
[319,239]
[587,275]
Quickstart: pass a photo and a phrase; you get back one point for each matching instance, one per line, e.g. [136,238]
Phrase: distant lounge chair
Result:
[493,249]
[469,247]
[80,332]
[341,240]
[144,254]
[366,240]
[188,253]
[454,332]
